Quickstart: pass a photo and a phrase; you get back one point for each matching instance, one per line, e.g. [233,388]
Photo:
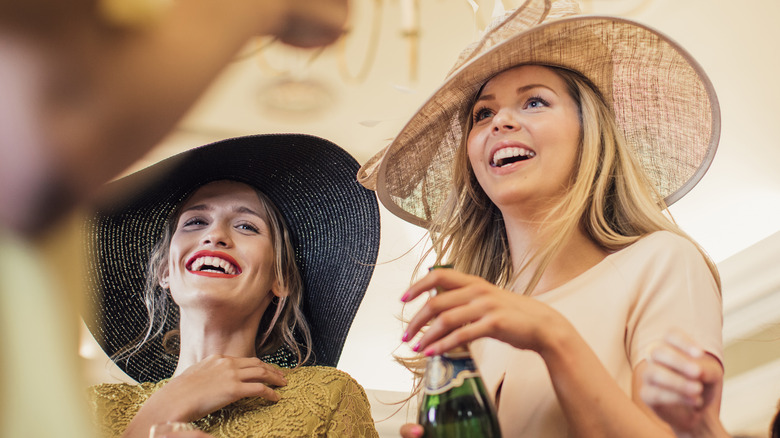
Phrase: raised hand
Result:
[473,308]
[679,382]
[203,388]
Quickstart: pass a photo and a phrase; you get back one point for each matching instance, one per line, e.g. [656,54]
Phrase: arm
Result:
[84,103]
[592,401]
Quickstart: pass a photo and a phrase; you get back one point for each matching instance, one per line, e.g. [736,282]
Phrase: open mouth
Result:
[507,156]
[213,264]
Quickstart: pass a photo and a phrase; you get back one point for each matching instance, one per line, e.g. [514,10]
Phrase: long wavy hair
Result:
[610,198]
[278,325]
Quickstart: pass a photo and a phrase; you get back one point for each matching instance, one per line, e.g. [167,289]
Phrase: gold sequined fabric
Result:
[317,402]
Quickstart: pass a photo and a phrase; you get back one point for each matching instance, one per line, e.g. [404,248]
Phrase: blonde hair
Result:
[279,323]
[610,199]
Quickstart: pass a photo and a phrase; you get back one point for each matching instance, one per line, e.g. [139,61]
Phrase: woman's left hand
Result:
[473,308]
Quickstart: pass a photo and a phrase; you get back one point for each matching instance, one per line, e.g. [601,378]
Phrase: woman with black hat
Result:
[259,250]
[542,169]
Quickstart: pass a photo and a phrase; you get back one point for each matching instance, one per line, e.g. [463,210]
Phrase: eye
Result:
[536,102]
[482,114]
[246,226]
[194,221]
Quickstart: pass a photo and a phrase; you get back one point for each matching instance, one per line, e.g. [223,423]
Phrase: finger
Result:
[258,364]
[683,342]
[435,307]
[444,278]
[712,369]
[668,380]
[458,315]
[411,431]
[675,359]
[656,396]
[255,389]
[254,362]
[457,338]
[261,375]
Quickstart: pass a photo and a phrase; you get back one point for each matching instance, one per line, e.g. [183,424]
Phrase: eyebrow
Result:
[240,209]
[520,90]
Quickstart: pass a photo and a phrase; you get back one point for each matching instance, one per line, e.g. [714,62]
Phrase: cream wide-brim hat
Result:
[663,101]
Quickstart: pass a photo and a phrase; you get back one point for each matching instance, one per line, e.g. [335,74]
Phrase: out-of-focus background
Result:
[361,91]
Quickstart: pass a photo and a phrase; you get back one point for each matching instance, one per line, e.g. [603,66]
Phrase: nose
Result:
[217,235]
[504,120]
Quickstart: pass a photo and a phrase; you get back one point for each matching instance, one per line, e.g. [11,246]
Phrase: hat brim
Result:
[334,223]
[664,103]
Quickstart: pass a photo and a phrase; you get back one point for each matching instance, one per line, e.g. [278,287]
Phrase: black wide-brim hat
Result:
[333,220]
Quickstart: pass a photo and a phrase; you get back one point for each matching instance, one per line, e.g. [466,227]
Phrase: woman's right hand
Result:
[210,384]
[217,381]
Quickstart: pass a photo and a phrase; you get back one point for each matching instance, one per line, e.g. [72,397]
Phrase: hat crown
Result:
[532,13]
[664,105]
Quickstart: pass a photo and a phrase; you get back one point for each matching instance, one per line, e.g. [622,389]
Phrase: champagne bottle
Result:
[455,403]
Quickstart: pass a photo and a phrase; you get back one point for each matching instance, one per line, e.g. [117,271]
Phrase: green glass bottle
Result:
[454,402]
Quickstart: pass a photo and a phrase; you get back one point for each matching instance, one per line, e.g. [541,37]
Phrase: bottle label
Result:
[443,373]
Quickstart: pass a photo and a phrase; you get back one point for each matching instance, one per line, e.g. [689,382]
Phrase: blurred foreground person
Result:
[88,87]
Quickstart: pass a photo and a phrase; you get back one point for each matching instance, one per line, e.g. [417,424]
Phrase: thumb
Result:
[711,369]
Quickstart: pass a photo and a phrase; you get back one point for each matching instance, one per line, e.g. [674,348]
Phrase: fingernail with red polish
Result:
[405,337]
[416,347]
[429,352]
[405,297]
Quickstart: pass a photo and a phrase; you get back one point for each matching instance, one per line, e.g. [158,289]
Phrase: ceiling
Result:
[734,212]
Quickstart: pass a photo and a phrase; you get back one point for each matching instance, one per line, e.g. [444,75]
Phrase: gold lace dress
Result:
[317,402]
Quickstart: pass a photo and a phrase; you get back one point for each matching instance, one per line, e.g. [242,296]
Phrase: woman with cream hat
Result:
[542,169]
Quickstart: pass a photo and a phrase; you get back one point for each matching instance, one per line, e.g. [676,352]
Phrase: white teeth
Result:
[511,152]
[210,261]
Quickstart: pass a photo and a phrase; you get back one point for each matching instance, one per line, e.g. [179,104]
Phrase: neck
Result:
[526,238]
[203,335]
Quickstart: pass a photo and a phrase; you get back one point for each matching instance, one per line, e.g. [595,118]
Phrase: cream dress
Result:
[621,307]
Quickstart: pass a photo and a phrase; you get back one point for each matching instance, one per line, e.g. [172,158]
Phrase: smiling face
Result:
[524,142]
[221,251]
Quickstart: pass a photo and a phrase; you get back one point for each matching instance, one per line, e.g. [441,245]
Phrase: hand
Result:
[314,23]
[216,382]
[680,382]
[473,308]
[411,431]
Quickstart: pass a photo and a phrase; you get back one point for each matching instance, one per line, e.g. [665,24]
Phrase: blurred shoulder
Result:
[661,244]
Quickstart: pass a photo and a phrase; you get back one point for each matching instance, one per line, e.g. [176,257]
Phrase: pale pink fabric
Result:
[621,307]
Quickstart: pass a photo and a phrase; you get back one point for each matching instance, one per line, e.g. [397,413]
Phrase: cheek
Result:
[473,149]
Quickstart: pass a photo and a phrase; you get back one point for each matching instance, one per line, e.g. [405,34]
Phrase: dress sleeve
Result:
[352,416]
[113,406]
[675,290]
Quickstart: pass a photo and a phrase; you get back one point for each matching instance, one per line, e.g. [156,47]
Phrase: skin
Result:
[220,314]
[680,383]
[530,109]
[81,102]
[473,308]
